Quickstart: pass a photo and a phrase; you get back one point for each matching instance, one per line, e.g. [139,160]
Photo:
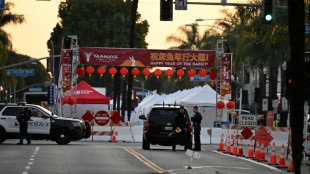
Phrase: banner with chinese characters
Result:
[146,57]
[226,76]
[66,61]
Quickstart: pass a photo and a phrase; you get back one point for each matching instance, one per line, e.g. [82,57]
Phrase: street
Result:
[105,157]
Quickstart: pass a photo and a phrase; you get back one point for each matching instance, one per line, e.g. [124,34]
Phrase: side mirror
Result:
[142,117]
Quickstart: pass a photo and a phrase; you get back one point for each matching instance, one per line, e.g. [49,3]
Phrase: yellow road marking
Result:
[144,160]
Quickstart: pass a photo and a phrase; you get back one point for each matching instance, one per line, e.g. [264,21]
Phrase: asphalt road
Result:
[105,157]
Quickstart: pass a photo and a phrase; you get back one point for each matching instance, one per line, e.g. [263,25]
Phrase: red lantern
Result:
[135,72]
[146,72]
[90,70]
[202,73]
[220,105]
[191,73]
[80,70]
[112,71]
[169,73]
[124,71]
[213,75]
[101,71]
[180,73]
[64,101]
[71,101]
[230,105]
[157,73]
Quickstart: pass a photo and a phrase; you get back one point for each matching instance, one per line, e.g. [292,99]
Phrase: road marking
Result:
[250,160]
[27,167]
[242,168]
[25,173]
[31,159]
[37,149]
[32,156]
[145,160]
[30,163]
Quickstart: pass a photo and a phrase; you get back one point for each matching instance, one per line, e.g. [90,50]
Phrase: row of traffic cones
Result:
[259,152]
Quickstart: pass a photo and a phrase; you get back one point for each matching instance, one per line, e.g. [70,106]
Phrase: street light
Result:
[200,20]
[212,26]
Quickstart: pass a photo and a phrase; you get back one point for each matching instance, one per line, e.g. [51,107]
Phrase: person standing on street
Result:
[22,119]
[197,128]
[180,123]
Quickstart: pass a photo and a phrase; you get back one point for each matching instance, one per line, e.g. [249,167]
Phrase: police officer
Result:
[197,128]
[180,123]
[22,119]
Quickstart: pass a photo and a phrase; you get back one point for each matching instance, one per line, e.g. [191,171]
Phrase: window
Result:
[11,111]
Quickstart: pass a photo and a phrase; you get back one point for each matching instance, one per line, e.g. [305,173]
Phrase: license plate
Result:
[168,128]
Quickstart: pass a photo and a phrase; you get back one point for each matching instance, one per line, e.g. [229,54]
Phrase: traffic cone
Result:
[221,148]
[273,158]
[282,158]
[114,135]
[251,149]
[240,149]
[228,147]
[291,169]
[235,149]
[257,152]
[262,156]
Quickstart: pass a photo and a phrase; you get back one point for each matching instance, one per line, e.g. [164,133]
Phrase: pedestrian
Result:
[197,128]
[22,119]
[180,123]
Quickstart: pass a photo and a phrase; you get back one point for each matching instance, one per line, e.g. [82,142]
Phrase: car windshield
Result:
[165,115]
[46,111]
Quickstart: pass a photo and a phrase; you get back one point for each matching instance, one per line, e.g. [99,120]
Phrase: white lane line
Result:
[32,156]
[30,163]
[27,167]
[250,160]
[34,153]
[31,159]
[25,173]
[243,168]
[37,149]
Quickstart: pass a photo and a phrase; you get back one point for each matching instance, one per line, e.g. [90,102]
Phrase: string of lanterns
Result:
[146,72]
[230,105]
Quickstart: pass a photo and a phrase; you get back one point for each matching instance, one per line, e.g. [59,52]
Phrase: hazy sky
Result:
[30,37]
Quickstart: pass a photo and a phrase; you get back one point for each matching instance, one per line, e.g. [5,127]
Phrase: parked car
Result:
[159,123]
[43,124]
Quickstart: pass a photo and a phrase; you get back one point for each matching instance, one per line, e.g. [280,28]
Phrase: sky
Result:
[30,37]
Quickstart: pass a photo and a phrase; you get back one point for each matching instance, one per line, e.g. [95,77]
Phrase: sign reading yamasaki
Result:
[247,120]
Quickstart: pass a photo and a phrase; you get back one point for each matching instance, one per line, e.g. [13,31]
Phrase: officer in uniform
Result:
[180,123]
[197,128]
[22,119]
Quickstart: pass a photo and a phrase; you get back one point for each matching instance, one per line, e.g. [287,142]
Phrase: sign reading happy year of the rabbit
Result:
[146,57]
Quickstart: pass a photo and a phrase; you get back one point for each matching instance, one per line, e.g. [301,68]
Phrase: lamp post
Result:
[212,26]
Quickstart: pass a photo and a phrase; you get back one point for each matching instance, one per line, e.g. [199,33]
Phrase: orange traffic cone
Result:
[221,148]
[262,156]
[114,135]
[257,152]
[282,158]
[240,149]
[235,149]
[251,150]
[228,147]
[273,158]
[291,169]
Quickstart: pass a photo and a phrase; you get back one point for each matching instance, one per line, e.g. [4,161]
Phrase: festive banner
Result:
[66,61]
[226,76]
[146,57]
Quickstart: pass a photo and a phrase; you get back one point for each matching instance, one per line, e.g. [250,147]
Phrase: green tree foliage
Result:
[98,24]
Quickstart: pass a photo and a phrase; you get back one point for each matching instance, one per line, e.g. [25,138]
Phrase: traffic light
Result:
[166,12]
[268,11]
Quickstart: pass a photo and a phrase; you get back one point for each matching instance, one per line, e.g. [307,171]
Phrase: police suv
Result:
[43,124]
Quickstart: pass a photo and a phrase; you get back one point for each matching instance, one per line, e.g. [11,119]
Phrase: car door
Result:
[8,118]
[39,122]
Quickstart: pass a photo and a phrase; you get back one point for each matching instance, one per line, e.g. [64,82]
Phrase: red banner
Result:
[226,76]
[146,57]
[66,61]
[269,118]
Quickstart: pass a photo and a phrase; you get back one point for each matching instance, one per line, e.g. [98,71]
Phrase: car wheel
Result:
[2,136]
[88,129]
[62,136]
[145,144]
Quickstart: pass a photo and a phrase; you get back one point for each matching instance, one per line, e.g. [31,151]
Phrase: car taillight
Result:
[147,125]
[190,127]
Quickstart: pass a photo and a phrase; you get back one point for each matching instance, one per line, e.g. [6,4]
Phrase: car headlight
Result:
[76,124]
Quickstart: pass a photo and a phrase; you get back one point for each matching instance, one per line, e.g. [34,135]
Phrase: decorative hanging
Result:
[180,73]
[71,101]
[124,71]
[64,101]
[101,71]
[213,75]
[112,71]
[90,70]
[169,73]
[135,72]
[80,70]
[230,105]
[146,72]
[157,73]
[202,73]
[191,73]
[220,105]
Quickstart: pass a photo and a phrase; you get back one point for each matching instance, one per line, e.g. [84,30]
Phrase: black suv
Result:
[159,123]
[43,124]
